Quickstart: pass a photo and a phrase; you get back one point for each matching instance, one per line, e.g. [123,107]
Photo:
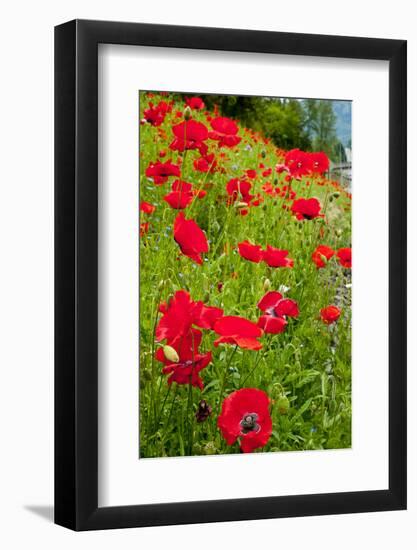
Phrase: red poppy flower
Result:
[239,331]
[186,371]
[199,193]
[272,325]
[190,238]
[330,314]
[298,163]
[205,164]
[208,316]
[225,132]
[276,310]
[245,416]
[287,308]
[306,209]
[191,362]
[345,257]
[147,207]
[144,228]
[181,195]
[275,257]
[155,115]
[161,171]
[251,252]
[279,168]
[189,134]
[251,174]
[195,103]
[239,189]
[178,316]
[319,162]
[322,255]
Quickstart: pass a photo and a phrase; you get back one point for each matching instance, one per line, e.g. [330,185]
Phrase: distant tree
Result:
[321,125]
[281,120]
[339,153]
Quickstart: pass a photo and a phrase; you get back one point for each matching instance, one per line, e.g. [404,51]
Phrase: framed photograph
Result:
[219,355]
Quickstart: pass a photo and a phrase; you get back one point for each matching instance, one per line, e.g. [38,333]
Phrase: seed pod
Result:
[283,404]
[171,354]
[267,284]
[187,113]
[323,259]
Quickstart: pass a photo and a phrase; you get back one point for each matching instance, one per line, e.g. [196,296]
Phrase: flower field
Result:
[245,289]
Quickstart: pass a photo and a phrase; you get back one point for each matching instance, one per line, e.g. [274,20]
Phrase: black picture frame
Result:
[76,272]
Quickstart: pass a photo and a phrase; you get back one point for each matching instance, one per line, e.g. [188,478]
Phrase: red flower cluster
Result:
[274,257]
[276,309]
[156,115]
[177,327]
[161,171]
[306,209]
[322,255]
[189,134]
[181,195]
[300,163]
[190,238]
[195,103]
[206,163]
[245,416]
[225,132]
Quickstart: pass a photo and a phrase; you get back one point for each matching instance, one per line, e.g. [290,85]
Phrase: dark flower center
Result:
[271,311]
[249,424]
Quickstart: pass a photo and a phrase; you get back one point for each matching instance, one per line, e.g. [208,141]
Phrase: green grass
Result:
[306,371]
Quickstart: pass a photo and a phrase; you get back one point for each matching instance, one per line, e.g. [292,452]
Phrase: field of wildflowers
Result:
[245,289]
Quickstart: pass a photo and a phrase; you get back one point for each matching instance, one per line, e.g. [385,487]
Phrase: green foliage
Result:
[306,371]
[281,120]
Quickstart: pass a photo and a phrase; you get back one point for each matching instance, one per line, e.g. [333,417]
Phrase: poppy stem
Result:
[162,408]
[224,379]
[258,360]
[170,410]
[190,419]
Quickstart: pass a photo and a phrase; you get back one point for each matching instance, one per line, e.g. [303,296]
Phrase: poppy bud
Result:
[187,113]
[263,154]
[203,411]
[283,404]
[171,354]
[334,195]
[161,284]
[323,259]
[267,284]
[240,205]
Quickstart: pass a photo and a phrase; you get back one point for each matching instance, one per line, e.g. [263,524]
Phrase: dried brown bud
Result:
[203,411]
